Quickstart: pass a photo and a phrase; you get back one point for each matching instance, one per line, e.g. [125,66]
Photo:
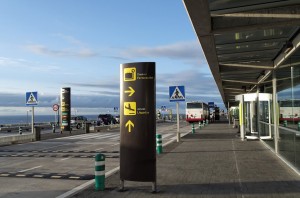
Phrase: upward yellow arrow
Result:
[130,91]
[129,124]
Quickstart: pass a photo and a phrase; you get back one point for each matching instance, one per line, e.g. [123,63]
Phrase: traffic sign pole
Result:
[32,120]
[178,132]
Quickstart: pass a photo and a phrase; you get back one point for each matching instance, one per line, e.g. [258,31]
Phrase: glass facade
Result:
[288,94]
[287,113]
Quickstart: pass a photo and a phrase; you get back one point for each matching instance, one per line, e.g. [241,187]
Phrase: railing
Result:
[288,142]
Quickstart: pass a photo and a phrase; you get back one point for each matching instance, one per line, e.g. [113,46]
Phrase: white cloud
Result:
[75,48]
[43,50]
[183,50]
[26,64]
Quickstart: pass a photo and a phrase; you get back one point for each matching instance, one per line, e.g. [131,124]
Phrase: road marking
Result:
[22,171]
[38,175]
[72,177]
[167,135]
[56,177]
[86,185]
[65,159]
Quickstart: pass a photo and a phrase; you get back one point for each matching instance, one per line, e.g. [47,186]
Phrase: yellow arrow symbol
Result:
[129,124]
[130,91]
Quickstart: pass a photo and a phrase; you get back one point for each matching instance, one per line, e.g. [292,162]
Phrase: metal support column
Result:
[275,116]
[241,118]
[228,114]
[257,112]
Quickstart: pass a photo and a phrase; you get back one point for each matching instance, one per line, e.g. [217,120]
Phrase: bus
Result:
[196,111]
[289,110]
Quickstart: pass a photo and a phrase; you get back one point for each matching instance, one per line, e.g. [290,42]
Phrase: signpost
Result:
[211,104]
[31,99]
[65,103]
[138,123]
[176,94]
[55,108]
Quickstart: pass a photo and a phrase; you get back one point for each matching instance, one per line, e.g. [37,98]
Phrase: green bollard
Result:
[298,126]
[100,172]
[285,123]
[158,144]
[199,125]
[193,128]
[207,121]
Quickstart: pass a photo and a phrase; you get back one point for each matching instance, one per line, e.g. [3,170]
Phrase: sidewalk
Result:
[213,162]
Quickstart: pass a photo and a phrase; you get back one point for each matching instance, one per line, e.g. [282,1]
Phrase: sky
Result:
[50,44]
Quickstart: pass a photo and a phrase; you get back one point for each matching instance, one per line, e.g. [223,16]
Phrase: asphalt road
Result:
[52,167]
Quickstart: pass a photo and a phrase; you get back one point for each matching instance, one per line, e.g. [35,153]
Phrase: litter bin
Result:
[37,133]
[87,127]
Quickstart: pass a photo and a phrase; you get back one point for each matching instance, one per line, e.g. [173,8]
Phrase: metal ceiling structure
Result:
[245,40]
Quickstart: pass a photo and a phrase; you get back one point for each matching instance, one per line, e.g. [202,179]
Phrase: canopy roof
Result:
[245,40]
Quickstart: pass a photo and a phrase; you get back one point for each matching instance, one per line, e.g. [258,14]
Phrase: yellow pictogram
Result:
[129,124]
[130,74]
[129,108]
[130,91]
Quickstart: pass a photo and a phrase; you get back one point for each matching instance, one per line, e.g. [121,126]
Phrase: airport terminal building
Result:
[252,48]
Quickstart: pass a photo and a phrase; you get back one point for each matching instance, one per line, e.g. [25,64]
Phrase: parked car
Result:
[106,119]
[78,121]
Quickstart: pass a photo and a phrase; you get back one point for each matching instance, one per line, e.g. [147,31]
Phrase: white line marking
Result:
[86,185]
[65,159]
[22,171]
[167,135]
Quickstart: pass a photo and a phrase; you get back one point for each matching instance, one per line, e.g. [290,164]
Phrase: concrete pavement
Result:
[213,162]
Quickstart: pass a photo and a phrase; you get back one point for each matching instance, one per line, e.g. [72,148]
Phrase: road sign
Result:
[211,104]
[176,93]
[163,108]
[31,98]
[65,103]
[137,122]
[55,107]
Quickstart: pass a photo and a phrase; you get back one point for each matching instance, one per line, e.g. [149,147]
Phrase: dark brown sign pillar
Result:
[138,123]
[65,103]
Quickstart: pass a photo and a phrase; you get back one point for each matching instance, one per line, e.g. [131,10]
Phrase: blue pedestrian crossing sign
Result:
[31,98]
[176,93]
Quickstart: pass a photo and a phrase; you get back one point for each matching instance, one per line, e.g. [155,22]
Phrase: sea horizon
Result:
[24,119]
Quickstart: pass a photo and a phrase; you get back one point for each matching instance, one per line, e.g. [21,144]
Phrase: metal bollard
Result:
[158,144]
[298,126]
[53,128]
[285,123]
[100,172]
[87,127]
[20,130]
